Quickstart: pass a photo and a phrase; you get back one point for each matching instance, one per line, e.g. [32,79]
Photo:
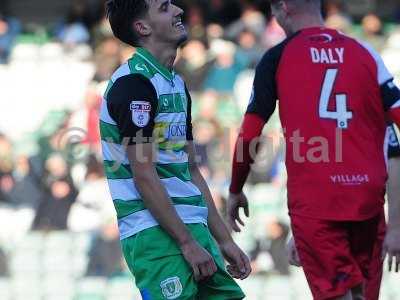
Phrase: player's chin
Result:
[182,38]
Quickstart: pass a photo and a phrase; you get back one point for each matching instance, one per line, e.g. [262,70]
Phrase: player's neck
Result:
[303,22]
[165,54]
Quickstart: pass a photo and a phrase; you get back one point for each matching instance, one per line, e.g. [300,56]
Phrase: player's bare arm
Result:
[391,246]
[159,204]
[239,264]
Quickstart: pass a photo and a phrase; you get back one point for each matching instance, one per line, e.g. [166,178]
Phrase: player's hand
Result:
[199,259]
[238,262]
[391,248]
[293,255]
[235,202]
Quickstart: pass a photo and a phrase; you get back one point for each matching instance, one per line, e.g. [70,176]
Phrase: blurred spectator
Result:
[222,75]
[335,7]
[205,132]
[194,64]
[87,118]
[372,31]
[26,182]
[9,30]
[336,17]
[214,32]
[107,58]
[93,205]
[222,12]
[251,20]
[3,264]
[6,167]
[196,22]
[273,243]
[60,194]
[75,29]
[101,32]
[105,257]
[339,22]
[249,51]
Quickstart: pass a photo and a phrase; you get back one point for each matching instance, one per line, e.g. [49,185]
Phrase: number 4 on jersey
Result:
[341,115]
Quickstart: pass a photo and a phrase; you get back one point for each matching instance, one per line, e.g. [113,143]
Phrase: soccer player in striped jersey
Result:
[166,215]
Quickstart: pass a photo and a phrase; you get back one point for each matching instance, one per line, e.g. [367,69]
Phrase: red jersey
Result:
[333,94]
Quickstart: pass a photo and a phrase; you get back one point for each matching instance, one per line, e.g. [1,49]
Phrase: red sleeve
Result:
[394,114]
[245,150]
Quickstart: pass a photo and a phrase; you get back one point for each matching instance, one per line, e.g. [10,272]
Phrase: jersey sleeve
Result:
[132,103]
[391,100]
[394,145]
[264,94]
[389,91]
[189,126]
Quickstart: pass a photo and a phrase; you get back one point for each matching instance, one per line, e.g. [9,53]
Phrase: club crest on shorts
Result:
[140,113]
[171,288]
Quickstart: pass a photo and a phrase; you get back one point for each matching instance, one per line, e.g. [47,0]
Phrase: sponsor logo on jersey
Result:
[322,38]
[141,67]
[171,288]
[350,179]
[170,131]
[140,113]
[176,131]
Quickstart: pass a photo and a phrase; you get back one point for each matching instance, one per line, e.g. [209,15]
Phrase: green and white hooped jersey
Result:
[145,100]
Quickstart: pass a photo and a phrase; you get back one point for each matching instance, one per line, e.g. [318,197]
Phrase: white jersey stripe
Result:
[125,189]
[104,115]
[396,105]
[171,118]
[141,220]
[114,152]
[383,73]
[121,71]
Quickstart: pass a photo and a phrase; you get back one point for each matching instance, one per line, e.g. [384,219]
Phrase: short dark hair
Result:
[122,14]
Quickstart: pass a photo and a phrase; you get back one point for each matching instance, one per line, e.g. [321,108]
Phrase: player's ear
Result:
[142,27]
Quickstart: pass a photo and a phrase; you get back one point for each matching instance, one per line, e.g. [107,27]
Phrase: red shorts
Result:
[336,256]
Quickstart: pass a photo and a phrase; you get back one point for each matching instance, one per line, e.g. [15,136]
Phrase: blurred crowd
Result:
[60,184]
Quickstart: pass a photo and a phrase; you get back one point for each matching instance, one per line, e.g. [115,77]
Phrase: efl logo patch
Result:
[140,113]
[171,288]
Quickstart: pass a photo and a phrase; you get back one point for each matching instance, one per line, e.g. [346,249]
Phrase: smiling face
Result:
[165,20]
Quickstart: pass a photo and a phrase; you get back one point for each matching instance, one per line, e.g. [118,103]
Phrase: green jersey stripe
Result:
[180,171]
[172,146]
[110,133]
[115,170]
[125,208]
